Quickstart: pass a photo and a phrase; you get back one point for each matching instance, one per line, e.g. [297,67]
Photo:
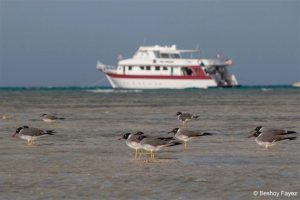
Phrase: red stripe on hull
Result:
[158,77]
[197,73]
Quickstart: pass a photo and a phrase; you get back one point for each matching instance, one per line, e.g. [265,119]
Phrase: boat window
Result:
[156,53]
[164,55]
[142,67]
[157,68]
[148,67]
[129,68]
[174,55]
[165,68]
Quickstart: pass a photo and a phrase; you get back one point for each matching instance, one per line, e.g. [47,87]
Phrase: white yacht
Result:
[166,67]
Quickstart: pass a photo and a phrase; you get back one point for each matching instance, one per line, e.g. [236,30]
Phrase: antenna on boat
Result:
[219,55]
[197,49]
[120,57]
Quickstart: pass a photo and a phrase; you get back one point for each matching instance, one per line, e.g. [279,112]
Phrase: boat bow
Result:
[105,68]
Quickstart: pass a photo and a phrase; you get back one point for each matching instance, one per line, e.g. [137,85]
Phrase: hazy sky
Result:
[57,43]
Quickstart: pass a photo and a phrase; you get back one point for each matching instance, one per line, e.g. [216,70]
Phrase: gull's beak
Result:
[170,132]
[252,133]
[119,137]
[14,135]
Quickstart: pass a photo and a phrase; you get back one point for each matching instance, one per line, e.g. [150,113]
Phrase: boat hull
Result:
[160,83]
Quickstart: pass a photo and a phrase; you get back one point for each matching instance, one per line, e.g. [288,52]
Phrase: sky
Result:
[58,42]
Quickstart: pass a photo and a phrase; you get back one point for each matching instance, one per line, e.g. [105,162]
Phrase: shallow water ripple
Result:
[84,159]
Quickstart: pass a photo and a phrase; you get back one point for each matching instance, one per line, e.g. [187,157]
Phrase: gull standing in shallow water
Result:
[31,134]
[133,141]
[184,118]
[186,135]
[156,143]
[50,118]
[269,136]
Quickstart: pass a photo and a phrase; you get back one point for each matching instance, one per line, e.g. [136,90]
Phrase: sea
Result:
[86,160]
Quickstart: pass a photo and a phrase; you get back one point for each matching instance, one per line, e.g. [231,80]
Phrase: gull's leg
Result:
[185,146]
[185,124]
[145,152]
[136,152]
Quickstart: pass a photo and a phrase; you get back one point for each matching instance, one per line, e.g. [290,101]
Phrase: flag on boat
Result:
[229,62]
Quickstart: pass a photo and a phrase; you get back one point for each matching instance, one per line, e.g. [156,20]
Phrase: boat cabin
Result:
[160,61]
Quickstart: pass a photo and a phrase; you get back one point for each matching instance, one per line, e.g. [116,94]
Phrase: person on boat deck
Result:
[187,71]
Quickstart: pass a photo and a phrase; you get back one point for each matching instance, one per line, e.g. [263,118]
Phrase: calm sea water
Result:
[84,160]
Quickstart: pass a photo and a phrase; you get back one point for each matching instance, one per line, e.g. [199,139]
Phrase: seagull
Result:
[133,141]
[31,134]
[156,143]
[186,135]
[186,117]
[269,136]
[50,118]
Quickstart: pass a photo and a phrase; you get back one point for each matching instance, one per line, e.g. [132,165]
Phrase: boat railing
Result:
[105,68]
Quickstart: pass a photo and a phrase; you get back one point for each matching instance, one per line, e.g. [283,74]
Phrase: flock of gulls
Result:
[138,141]
[266,137]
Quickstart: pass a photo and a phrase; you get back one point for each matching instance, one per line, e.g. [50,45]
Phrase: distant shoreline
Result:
[72,88]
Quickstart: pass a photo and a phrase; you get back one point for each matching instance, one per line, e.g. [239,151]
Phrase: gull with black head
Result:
[268,137]
[133,141]
[186,135]
[184,118]
[31,134]
[50,118]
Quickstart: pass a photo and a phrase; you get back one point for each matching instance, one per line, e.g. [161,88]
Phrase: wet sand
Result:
[84,160]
